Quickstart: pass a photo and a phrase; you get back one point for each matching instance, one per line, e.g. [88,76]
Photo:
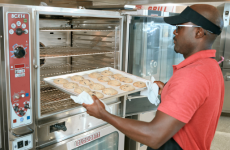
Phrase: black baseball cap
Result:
[190,15]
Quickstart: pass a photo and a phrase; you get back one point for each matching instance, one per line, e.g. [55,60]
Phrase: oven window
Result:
[108,142]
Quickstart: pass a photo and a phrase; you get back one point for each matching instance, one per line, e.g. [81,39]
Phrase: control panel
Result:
[19,63]
[23,143]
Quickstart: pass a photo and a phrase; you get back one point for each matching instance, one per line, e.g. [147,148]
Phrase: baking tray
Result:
[85,74]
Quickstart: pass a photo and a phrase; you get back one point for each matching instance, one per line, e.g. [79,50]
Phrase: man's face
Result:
[183,39]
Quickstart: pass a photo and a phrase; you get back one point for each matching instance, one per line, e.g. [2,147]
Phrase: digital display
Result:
[19,66]
[25,20]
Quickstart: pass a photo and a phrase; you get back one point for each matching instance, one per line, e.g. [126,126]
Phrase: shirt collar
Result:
[199,55]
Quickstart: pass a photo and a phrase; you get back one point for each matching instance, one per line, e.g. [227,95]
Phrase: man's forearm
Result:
[136,130]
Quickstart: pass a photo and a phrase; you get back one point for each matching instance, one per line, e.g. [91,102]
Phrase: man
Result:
[192,99]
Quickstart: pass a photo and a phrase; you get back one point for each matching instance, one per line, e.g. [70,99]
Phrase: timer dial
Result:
[19,52]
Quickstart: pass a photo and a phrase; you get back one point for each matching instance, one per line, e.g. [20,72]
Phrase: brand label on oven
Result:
[79,142]
[18,16]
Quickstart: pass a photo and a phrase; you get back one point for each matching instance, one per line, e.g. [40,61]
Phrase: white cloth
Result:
[84,97]
[151,92]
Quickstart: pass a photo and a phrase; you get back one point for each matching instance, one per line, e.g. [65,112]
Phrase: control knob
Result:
[16,108]
[19,31]
[26,106]
[19,52]
[21,112]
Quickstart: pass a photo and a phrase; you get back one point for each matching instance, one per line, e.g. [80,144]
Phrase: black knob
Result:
[21,112]
[19,31]
[19,52]
[26,106]
[16,108]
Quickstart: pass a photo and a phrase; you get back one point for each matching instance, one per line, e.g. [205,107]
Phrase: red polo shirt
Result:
[194,95]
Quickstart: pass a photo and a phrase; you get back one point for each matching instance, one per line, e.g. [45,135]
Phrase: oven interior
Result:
[70,44]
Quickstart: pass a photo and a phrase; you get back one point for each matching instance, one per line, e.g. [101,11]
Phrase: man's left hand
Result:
[97,109]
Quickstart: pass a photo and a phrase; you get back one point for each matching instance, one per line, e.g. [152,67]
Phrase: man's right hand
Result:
[160,85]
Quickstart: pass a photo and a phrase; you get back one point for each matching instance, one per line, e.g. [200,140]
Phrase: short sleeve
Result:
[184,94]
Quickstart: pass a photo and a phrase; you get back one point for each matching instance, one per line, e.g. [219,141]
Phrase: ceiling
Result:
[74,3]
[147,2]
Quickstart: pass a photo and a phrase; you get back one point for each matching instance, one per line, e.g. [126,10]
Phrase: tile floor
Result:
[221,139]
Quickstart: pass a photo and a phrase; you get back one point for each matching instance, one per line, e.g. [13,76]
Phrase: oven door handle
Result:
[23,134]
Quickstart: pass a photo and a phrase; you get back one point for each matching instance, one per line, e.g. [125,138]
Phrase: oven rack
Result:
[67,29]
[54,100]
[66,52]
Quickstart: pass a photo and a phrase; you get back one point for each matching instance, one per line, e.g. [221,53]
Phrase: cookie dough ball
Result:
[86,82]
[127,87]
[114,83]
[94,75]
[98,94]
[126,80]
[106,73]
[103,79]
[70,85]
[80,89]
[117,76]
[139,84]
[110,91]
[97,86]
[76,78]
[60,81]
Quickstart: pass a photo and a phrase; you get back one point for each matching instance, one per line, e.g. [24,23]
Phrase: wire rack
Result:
[53,100]
[66,52]
[69,29]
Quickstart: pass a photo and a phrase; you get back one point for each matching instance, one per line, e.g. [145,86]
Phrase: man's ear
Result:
[200,33]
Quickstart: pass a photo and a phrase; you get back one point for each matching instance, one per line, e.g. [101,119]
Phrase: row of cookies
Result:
[78,89]
[95,86]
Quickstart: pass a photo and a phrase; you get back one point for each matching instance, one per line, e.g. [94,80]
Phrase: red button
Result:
[15,120]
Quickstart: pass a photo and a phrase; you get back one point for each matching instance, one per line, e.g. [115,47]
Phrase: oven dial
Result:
[16,108]
[19,31]
[21,112]
[26,106]
[19,52]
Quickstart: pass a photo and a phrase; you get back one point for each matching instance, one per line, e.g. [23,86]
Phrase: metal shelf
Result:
[67,52]
[68,29]
[53,100]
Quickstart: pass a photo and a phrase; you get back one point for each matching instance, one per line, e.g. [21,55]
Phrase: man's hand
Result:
[160,85]
[97,109]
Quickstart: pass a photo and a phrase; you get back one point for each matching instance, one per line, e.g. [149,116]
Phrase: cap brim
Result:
[175,20]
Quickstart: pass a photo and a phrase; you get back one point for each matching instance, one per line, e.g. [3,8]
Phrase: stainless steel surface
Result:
[151,48]
[75,125]
[226,74]
[226,63]
[75,144]
[222,46]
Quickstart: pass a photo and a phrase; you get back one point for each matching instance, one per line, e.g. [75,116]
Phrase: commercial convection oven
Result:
[39,42]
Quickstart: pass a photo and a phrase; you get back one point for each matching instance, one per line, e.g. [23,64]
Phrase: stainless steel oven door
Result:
[103,138]
[150,53]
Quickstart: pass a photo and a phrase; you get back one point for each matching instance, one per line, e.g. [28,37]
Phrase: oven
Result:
[39,42]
